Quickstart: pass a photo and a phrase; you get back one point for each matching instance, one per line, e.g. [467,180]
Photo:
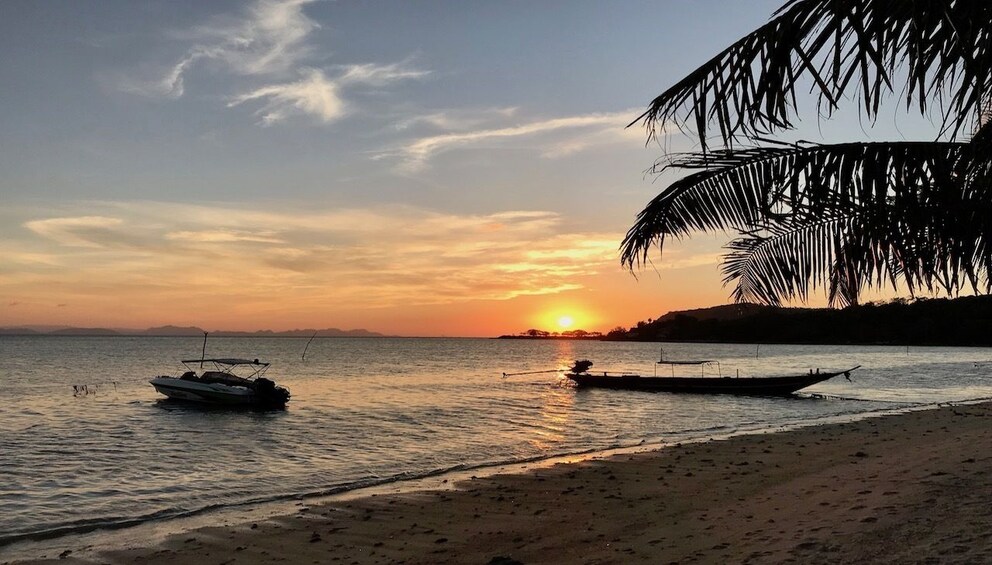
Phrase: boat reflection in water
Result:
[222,386]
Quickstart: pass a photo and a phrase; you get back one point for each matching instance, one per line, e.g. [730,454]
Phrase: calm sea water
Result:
[367,411]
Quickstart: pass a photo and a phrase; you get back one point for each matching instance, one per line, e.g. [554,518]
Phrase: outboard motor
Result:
[581,366]
[268,394]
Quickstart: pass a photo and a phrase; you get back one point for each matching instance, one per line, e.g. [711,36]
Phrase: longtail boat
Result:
[754,386]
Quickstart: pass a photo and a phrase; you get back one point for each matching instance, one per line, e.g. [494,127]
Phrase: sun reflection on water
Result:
[556,405]
[564,353]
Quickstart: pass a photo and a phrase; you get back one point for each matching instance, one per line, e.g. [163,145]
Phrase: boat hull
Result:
[753,386]
[208,393]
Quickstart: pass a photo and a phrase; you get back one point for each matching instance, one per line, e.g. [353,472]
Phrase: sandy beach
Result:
[906,488]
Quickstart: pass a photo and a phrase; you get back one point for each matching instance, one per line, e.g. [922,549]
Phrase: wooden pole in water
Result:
[530,373]
[203,353]
[304,356]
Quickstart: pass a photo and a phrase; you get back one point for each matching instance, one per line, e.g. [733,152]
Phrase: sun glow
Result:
[565,322]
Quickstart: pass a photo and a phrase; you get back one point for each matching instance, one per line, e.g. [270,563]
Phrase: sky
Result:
[420,168]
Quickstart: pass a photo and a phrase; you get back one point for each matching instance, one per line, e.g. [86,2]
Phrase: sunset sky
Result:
[413,168]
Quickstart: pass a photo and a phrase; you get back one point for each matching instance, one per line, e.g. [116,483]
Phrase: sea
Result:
[86,443]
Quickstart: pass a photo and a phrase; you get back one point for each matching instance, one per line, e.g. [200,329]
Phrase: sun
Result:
[565,322]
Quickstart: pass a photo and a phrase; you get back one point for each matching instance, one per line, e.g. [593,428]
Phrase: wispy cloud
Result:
[314,95]
[223,236]
[171,84]
[270,42]
[81,231]
[455,119]
[677,259]
[270,39]
[584,141]
[417,153]
[380,75]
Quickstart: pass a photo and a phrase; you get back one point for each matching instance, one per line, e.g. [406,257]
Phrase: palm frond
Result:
[787,261]
[943,48]
[742,190]
[776,266]
[839,216]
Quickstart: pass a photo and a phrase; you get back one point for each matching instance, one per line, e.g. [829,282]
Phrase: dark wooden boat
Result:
[754,386]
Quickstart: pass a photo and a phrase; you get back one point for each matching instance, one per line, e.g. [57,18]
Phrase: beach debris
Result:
[91,389]
[502,560]
[314,537]
[65,554]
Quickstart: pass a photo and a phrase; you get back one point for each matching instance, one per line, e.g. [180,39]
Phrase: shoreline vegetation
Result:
[894,488]
[936,321]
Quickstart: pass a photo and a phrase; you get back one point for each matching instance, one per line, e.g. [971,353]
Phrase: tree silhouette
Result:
[848,216]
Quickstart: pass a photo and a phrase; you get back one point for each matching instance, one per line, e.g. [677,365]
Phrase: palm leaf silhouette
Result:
[838,216]
[931,51]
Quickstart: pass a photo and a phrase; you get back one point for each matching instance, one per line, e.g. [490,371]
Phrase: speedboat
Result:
[221,385]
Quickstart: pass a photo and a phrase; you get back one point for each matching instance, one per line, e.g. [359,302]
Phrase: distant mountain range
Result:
[179,331]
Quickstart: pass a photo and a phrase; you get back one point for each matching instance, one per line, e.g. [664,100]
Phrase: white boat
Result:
[220,384]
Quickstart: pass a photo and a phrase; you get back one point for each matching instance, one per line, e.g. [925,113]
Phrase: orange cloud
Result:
[153,256]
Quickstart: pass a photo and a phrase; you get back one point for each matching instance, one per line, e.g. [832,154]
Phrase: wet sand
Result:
[907,488]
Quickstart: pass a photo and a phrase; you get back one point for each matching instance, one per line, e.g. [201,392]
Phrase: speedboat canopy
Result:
[228,365]
[228,361]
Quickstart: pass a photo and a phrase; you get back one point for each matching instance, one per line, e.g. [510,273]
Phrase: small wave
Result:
[826,396]
[83,526]
[120,522]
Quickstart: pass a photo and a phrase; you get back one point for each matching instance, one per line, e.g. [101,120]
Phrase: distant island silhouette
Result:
[183,331]
[541,334]
[963,321]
